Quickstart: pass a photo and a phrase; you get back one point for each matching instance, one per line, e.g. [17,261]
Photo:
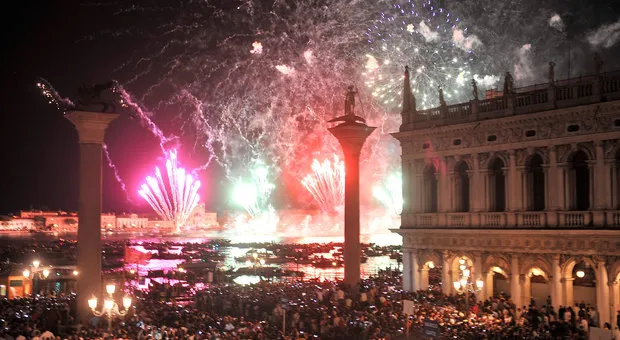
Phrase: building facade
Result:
[520,191]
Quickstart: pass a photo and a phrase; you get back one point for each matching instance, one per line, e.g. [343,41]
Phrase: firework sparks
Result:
[173,198]
[326,184]
[389,193]
[431,40]
[254,194]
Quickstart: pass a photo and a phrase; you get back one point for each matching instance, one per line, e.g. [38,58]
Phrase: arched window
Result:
[462,187]
[430,189]
[616,186]
[579,182]
[536,184]
[497,185]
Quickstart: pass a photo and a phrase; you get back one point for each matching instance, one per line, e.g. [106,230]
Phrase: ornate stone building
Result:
[520,191]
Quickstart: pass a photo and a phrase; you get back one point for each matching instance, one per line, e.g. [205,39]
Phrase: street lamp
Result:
[110,307]
[36,273]
[465,284]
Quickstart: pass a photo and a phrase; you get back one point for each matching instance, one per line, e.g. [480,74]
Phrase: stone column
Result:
[567,292]
[556,282]
[480,296]
[515,283]
[352,136]
[526,289]
[474,193]
[602,179]
[553,181]
[602,293]
[407,270]
[418,195]
[446,274]
[415,272]
[91,127]
[514,195]
[423,277]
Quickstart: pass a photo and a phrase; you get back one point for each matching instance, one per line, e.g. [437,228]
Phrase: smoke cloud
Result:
[605,36]
[556,22]
[523,69]
[427,33]
[466,43]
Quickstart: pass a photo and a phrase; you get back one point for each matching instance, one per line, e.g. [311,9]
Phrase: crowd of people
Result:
[298,310]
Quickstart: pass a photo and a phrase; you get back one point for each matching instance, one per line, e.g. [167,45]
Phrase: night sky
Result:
[52,40]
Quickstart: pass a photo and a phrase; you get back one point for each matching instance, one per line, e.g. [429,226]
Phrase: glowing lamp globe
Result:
[580,274]
[479,284]
[466,272]
[108,304]
[431,265]
[126,302]
[110,288]
[26,273]
[92,302]
[457,285]
[46,273]
[36,263]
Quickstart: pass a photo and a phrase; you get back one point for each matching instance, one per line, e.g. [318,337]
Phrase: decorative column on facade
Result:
[446,273]
[415,272]
[614,188]
[526,289]
[514,193]
[602,183]
[406,186]
[556,282]
[480,295]
[474,193]
[407,270]
[567,292]
[423,277]
[555,187]
[602,293]
[443,194]
[515,281]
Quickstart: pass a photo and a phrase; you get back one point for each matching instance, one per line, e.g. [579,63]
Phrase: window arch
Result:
[579,181]
[497,185]
[536,184]
[462,187]
[616,185]
[430,189]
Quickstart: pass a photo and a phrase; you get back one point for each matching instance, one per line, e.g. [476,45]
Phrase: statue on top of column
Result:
[442,102]
[349,109]
[508,83]
[551,72]
[98,98]
[598,63]
[474,86]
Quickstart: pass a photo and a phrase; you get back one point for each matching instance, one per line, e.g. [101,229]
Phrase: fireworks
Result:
[254,194]
[389,193]
[174,199]
[326,184]
[428,38]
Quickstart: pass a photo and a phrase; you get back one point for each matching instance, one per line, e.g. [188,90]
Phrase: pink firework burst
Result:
[174,199]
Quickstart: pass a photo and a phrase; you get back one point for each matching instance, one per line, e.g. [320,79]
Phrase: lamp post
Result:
[465,284]
[110,307]
[36,273]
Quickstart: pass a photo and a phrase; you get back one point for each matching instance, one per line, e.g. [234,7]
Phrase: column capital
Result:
[91,126]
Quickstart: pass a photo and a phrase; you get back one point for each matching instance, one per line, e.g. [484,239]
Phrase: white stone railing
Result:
[521,219]
[532,219]
[459,219]
[575,218]
[493,219]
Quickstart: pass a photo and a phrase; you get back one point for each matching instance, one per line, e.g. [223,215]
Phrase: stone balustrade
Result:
[536,98]
[520,219]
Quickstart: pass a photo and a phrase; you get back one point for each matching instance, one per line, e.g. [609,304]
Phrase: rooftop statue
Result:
[349,109]
[98,98]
